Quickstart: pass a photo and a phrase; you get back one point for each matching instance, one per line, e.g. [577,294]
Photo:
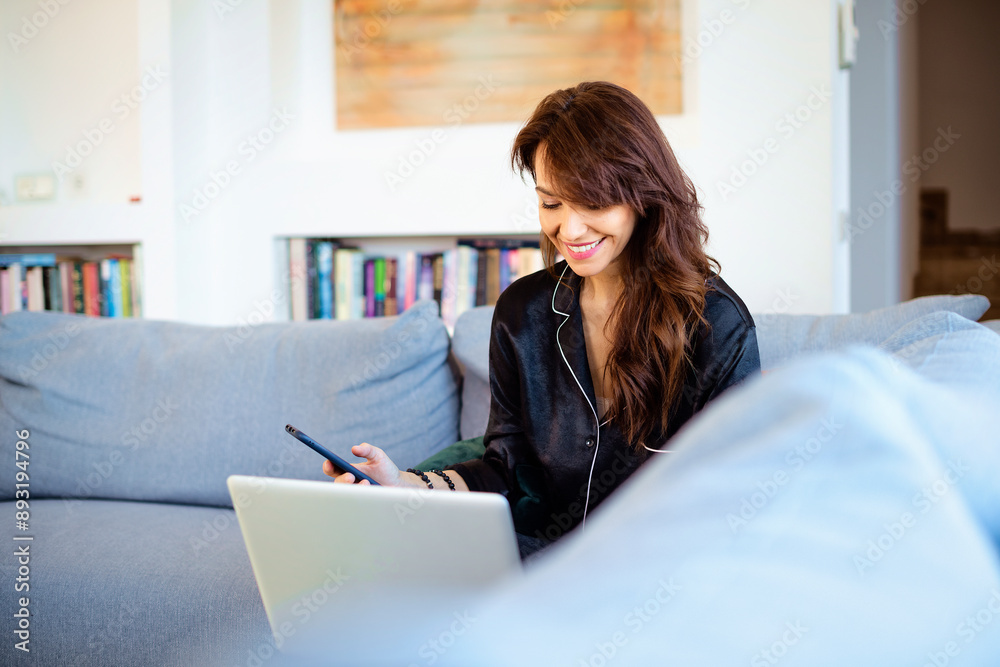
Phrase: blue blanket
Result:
[842,510]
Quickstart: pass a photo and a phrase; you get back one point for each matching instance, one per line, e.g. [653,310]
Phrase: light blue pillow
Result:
[965,357]
[782,337]
[791,523]
[992,324]
[948,348]
[163,411]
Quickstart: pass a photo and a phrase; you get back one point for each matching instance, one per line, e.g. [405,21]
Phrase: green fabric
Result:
[527,509]
[461,451]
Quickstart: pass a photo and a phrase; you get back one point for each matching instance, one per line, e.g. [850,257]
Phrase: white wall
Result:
[777,232]
[68,96]
[62,78]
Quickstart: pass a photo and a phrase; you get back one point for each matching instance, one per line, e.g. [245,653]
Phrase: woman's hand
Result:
[378,466]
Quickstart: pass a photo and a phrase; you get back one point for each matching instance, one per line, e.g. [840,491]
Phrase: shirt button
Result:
[589,442]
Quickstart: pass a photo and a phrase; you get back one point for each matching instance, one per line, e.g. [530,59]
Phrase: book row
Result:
[328,280]
[108,287]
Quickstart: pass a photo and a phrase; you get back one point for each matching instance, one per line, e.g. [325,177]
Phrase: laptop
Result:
[336,563]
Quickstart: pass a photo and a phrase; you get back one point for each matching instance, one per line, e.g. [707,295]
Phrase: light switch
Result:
[39,187]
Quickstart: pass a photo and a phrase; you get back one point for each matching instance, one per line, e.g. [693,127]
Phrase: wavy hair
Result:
[603,147]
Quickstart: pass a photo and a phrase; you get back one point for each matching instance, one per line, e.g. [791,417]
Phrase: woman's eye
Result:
[550,206]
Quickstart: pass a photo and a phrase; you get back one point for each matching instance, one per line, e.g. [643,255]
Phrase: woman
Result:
[598,360]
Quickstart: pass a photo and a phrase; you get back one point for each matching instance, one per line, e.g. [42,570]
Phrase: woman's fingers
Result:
[366,451]
[346,478]
[376,464]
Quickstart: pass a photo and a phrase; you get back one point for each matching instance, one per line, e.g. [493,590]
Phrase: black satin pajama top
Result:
[544,432]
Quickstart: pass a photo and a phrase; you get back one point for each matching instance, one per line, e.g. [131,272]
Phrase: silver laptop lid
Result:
[330,559]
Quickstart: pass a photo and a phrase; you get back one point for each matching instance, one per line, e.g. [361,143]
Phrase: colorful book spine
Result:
[492,276]
[425,280]
[52,287]
[136,269]
[36,289]
[378,286]
[28,259]
[358,299]
[299,283]
[411,280]
[111,281]
[472,277]
[481,278]
[91,289]
[462,284]
[125,280]
[311,296]
[391,287]
[343,267]
[66,283]
[449,276]
[369,290]
[504,268]
[78,290]
[400,282]
[324,279]
[438,278]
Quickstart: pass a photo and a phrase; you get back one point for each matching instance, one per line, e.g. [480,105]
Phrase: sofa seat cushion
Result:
[162,411]
[129,583]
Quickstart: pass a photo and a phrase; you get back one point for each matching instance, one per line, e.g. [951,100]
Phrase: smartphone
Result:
[340,464]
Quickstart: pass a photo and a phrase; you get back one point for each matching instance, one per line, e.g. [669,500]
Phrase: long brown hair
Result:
[603,147]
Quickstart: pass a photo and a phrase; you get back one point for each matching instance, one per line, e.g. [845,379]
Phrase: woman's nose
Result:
[574,226]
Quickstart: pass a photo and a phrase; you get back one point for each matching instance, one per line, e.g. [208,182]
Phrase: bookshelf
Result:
[94,280]
[355,277]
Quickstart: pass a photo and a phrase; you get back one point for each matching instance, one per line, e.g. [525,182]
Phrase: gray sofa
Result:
[130,553]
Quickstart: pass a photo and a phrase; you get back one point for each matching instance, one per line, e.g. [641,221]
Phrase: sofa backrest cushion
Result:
[163,411]
[471,346]
[782,337]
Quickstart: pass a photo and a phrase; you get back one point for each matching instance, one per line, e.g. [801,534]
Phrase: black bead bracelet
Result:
[422,476]
[451,484]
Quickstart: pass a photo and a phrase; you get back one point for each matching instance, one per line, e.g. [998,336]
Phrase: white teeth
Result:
[585,248]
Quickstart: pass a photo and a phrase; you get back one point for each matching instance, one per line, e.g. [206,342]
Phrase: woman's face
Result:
[590,239]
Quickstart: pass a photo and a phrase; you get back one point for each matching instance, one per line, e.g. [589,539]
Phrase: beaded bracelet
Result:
[451,484]
[422,476]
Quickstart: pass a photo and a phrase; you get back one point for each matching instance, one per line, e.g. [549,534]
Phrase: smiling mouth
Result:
[584,248]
